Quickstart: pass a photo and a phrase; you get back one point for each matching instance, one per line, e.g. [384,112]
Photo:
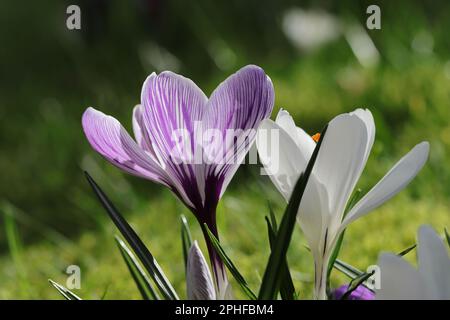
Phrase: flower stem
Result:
[217,265]
[321,272]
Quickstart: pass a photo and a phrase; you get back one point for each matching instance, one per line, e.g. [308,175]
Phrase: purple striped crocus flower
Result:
[186,141]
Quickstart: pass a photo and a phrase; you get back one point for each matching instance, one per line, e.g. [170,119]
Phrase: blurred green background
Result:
[322,60]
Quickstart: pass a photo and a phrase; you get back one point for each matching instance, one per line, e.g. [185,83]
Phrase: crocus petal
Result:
[140,131]
[173,106]
[313,219]
[227,293]
[108,137]
[399,280]
[239,103]
[392,183]
[366,116]
[340,162]
[434,263]
[198,277]
[171,103]
[304,141]
[280,156]
[360,293]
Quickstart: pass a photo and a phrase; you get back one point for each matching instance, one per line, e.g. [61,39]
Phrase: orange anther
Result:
[316,137]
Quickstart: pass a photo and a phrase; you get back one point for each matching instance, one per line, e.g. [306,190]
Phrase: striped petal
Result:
[235,109]
[140,131]
[173,107]
[108,137]
[199,282]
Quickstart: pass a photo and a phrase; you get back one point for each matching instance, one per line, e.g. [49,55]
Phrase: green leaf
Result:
[142,252]
[66,293]
[105,292]
[355,283]
[287,289]
[337,249]
[353,200]
[273,220]
[273,271]
[141,279]
[14,242]
[334,255]
[227,261]
[347,269]
[447,236]
[186,238]
[405,251]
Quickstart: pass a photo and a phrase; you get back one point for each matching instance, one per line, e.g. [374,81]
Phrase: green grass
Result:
[242,227]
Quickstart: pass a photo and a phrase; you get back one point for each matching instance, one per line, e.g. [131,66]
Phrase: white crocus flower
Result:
[199,281]
[338,167]
[400,280]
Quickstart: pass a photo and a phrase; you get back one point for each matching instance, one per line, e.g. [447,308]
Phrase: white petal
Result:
[312,218]
[399,280]
[434,263]
[198,277]
[366,116]
[340,161]
[393,182]
[280,156]
[304,141]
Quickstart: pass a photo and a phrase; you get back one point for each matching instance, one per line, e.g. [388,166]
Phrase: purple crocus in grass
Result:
[189,143]
[360,293]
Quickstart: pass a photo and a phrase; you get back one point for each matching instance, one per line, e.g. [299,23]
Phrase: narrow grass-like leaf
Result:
[66,293]
[353,200]
[142,252]
[141,279]
[407,250]
[14,242]
[287,289]
[273,219]
[355,283]
[105,292]
[186,238]
[272,273]
[347,269]
[447,236]
[33,223]
[350,271]
[334,255]
[229,264]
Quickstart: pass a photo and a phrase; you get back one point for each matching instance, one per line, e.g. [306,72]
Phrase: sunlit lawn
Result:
[242,226]
[408,95]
